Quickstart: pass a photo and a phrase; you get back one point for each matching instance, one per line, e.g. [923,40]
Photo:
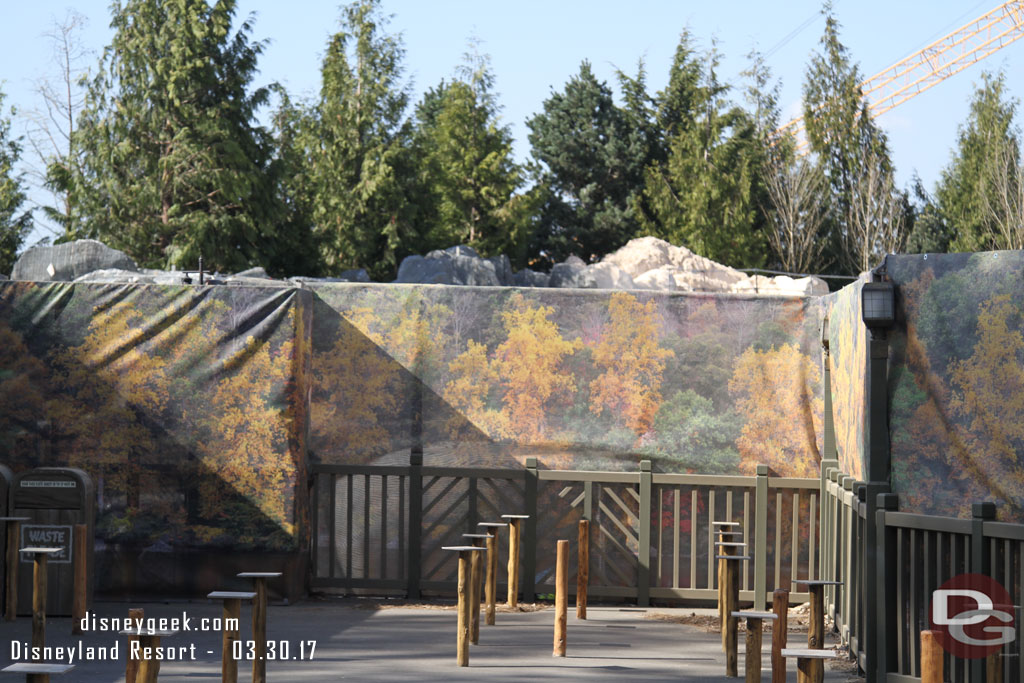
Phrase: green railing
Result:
[913,555]
[380,528]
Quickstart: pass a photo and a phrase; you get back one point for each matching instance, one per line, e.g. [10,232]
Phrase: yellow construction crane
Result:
[933,64]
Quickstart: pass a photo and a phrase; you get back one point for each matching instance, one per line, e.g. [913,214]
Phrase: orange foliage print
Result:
[632,364]
[989,392]
[468,392]
[528,366]
[781,417]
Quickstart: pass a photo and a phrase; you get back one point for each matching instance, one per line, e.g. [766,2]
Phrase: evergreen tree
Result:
[15,224]
[354,143]
[705,193]
[987,154]
[592,161]
[840,131]
[169,163]
[931,233]
[466,166]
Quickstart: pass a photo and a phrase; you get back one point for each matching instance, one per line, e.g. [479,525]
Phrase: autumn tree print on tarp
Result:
[848,355]
[185,405]
[781,416]
[631,364]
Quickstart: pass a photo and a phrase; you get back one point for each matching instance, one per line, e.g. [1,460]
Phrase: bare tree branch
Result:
[798,195]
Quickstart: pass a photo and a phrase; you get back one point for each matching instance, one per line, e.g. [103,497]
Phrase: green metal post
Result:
[643,588]
[885,599]
[529,540]
[980,513]
[826,536]
[760,538]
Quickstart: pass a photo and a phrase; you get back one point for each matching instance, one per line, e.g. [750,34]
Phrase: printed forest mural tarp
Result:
[581,379]
[198,410]
[848,353]
[956,382]
[186,405]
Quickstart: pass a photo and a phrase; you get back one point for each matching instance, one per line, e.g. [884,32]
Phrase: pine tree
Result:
[354,144]
[987,154]
[15,224]
[705,192]
[466,165]
[847,142]
[170,163]
[592,161]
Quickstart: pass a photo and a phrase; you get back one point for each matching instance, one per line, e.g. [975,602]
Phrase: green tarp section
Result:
[581,379]
[186,405]
[956,382]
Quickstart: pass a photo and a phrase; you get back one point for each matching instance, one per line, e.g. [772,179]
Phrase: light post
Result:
[878,310]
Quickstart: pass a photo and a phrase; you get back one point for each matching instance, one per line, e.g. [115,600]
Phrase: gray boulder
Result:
[68,261]
[529,278]
[459,265]
[571,273]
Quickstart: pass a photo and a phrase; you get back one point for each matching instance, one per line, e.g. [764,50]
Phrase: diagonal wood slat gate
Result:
[380,528]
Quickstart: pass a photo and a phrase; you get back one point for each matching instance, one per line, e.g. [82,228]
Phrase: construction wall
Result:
[186,405]
[848,352]
[581,379]
[956,382]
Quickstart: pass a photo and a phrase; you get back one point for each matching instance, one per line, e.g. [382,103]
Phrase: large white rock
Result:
[782,284]
[610,276]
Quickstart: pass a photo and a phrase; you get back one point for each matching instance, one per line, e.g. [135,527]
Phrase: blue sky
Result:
[537,46]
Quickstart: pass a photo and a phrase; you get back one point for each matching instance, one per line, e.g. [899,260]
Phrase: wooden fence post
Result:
[491,583]
[732,588]
[760,547]
[561,597]
[529,578]
[515,523]
[80,589]
[582,569]
[414,564]
[643,589]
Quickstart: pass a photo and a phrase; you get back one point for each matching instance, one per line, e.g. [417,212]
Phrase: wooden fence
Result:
[913,556]
[380,528]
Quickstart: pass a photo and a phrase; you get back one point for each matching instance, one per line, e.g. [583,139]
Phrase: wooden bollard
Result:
[780,606]
[726,550]
[131,667]
[730,631]
[561,597]
[582,569]
[491,586]
[816,627]
[147,668]
[994,667]
[80,591]
[259,621]
[39,556]
[476,571]
[931,657]
[13,525]
[752,663]
[465,581]
[515,523]
[232,614]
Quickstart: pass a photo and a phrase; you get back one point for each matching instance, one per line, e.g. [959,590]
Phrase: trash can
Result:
[54,499]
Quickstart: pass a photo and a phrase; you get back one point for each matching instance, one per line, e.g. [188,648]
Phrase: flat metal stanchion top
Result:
[41,551]
[818,582]
[728,532]
[733,557]
[515,516]
[806,653]
[37,668]
[731,544]
[259,575]
[230,595]
[492,527]
[725,524]
[14,519]
[755,615]
[476,535]
[460,548]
